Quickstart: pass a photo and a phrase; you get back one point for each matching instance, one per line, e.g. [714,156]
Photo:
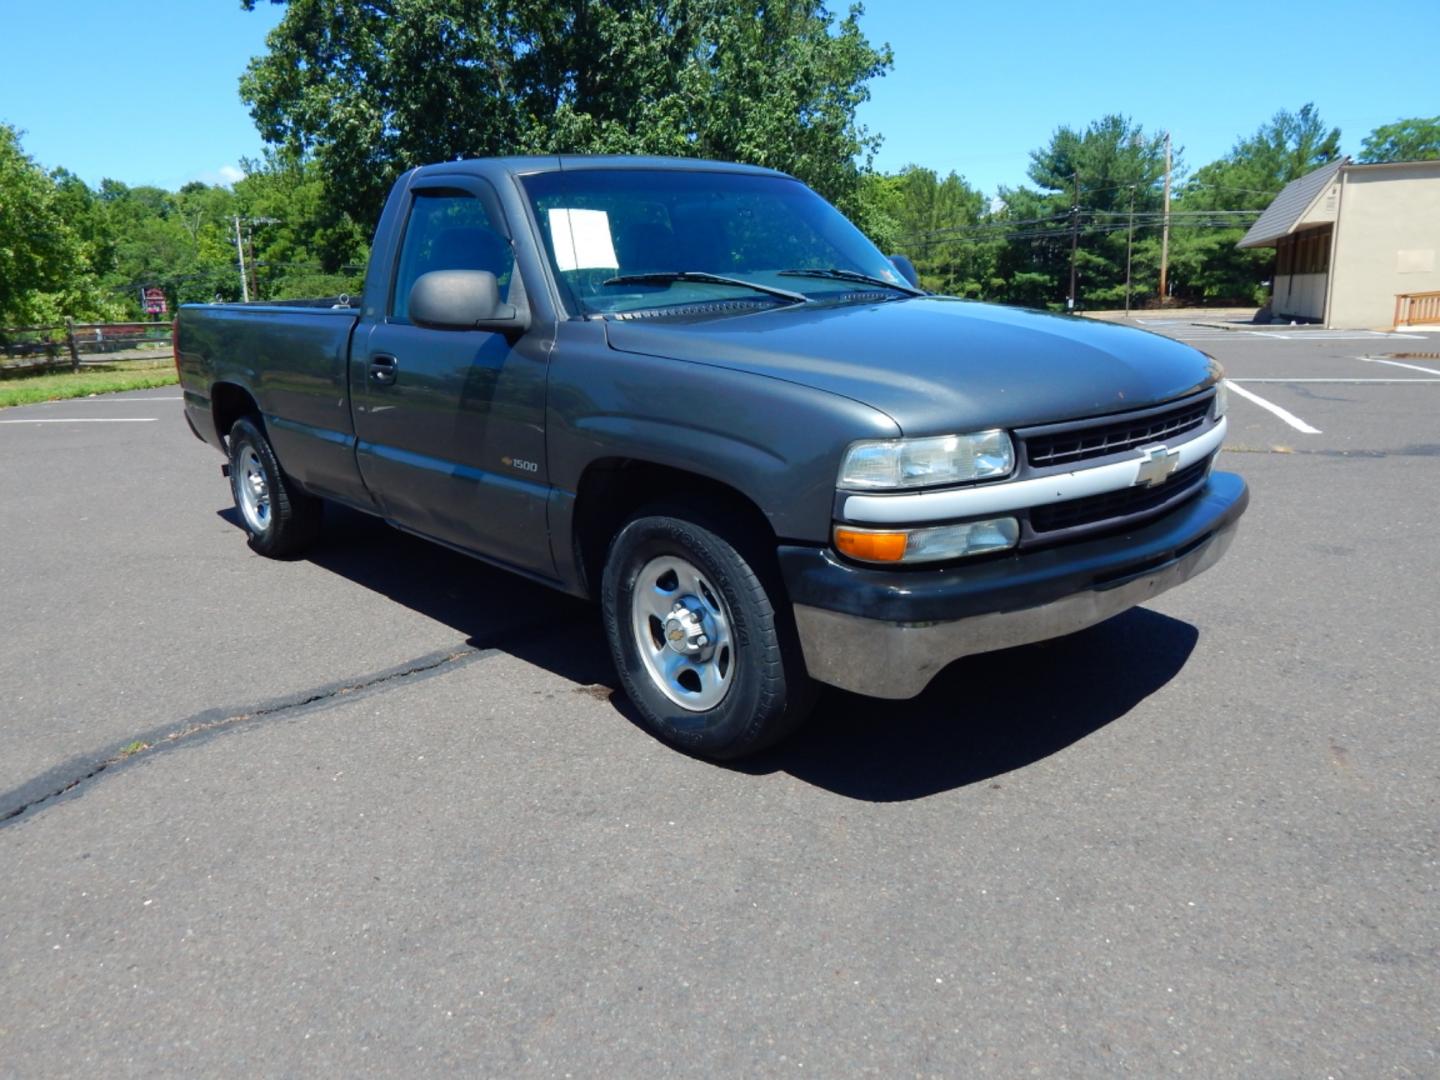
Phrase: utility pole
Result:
[1165,232]
[254,266]
[1074,240]
[240,250]
[1129,248]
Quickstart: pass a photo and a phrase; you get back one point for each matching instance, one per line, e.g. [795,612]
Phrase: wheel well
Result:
[229,403]
[612,489]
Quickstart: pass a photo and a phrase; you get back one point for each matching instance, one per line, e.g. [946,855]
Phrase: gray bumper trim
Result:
[898,660]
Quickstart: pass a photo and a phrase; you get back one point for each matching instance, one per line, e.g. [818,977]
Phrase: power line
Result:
[1060,235]
[1000,231]
[1143,216]
[1174,213]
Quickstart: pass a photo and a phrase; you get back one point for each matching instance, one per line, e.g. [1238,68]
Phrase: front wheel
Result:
[706,655]
[281,519]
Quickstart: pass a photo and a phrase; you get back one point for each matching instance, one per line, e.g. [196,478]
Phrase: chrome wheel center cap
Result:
[685,629]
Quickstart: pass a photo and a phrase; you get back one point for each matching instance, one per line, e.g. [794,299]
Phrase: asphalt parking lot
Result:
[380,810]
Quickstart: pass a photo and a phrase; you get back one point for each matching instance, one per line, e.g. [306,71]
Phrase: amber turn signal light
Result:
[935,543]
[871,546]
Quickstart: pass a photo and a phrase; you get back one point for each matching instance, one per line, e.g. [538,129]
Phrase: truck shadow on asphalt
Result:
[985,715]
[982,717]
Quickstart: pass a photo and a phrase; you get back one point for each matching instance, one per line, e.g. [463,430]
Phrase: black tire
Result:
[281,520]
[767,692]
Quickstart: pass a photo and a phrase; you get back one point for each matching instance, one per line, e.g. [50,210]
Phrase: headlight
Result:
[890,464]
[933,544]
[1222,399]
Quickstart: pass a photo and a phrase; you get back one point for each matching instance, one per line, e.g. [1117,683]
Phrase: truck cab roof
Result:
[530,164]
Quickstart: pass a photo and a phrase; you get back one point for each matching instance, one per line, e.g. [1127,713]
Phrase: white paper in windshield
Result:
[582,239]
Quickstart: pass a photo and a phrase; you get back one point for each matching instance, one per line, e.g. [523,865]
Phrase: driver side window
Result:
[448,230]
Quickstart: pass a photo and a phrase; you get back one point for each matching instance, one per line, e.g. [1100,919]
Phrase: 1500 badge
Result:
[521,464]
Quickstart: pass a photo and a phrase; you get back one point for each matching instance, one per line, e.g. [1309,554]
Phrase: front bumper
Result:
[887,633]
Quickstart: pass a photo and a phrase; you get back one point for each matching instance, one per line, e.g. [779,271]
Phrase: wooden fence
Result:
[1416,309]
[71,344]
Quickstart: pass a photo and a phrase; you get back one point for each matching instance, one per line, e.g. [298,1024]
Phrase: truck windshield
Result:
[630,239]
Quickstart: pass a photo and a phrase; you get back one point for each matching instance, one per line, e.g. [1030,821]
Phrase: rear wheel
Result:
[281,519]
[705,650]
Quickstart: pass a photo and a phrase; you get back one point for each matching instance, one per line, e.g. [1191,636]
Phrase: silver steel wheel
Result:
[253,489]
[682,631]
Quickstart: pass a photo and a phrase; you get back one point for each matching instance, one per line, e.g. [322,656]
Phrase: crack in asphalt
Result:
[34,794]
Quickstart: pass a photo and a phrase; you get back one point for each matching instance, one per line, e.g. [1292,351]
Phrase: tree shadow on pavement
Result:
[982,716]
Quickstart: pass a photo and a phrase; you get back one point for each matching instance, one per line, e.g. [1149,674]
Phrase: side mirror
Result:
[906,268]
[462,300]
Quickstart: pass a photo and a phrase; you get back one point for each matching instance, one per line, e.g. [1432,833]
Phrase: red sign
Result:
[152,299]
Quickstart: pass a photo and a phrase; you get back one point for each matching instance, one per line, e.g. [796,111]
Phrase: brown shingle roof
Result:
[1281,216]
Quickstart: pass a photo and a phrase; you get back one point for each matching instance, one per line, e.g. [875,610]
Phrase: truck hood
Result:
[937,364]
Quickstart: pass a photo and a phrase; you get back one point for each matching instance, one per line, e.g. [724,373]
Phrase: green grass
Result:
[102,379]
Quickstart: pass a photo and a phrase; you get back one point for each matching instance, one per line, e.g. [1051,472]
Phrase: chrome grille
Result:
[1073,444]
[1113,505]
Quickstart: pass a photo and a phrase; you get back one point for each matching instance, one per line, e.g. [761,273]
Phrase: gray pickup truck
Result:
[696,393]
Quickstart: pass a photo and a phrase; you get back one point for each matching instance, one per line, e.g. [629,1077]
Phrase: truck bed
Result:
[293,356]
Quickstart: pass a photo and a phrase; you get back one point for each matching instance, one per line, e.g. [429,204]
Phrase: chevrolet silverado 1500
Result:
[696,393]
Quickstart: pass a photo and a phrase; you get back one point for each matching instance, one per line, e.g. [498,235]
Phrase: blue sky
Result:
[146,93]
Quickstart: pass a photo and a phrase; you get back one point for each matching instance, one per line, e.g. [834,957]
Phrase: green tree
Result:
[1112,162]
[873,209]
[369,88]
[938,222]
[82,209]
[176,240]
[303,244]
[1283,149]
[47,263]
[1206,264]
[1417,139]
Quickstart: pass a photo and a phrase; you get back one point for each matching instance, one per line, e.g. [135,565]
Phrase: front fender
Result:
[778,443]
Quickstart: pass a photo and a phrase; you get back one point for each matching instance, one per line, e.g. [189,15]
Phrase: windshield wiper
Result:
[664,277]
[835,273]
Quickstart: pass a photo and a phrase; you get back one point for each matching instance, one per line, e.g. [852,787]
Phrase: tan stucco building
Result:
[1356,246]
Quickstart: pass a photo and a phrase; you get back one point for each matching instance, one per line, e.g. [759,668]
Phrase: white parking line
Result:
[88,420]
[107,400]
[1397,363]
[1284,414]
[1337,380]
[1245,336]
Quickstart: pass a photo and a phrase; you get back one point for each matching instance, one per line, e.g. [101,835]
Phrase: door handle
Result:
[383,369]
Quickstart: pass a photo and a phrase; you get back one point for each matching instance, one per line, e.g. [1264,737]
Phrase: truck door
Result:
[450,423]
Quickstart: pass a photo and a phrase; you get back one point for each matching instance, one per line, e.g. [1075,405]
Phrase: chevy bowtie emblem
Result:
[1156,465]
